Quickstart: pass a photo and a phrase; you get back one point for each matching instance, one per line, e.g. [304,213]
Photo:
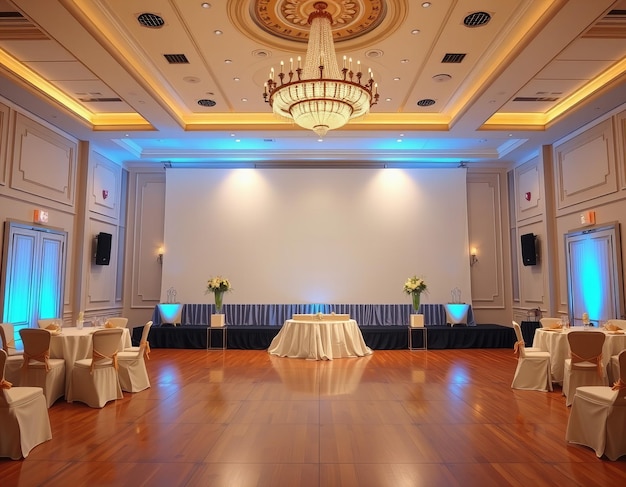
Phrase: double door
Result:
[33,274]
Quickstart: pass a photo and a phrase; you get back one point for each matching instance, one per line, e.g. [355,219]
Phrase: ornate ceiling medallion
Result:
[288,19]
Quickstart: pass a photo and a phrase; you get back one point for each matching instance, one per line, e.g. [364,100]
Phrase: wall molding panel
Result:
[4,143]
[44,162]
[585,166]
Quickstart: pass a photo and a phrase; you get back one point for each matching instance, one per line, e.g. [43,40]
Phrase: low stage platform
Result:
[376,337]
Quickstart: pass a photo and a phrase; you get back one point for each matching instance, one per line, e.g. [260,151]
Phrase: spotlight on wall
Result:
[473,256]
[161,251]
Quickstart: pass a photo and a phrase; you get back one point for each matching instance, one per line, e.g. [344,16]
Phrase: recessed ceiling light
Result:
[426,4]
[398,140]
[404,61]
[401,135]
[205,5]
[396,78]
[320,140]
[387,99]
[228,61]
[237,140]
[236,78]
[232,135]
[244,99]
[218,32]
[415,32]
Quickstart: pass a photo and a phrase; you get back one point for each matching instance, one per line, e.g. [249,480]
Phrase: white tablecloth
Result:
[74,344]
[555,342]
[319,340]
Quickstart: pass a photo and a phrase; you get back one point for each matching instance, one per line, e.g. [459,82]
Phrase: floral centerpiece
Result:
[415,286]
[218,286]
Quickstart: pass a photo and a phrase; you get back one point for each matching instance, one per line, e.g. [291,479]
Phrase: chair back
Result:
[7,335]
[620,385]
[586,346]
[36,345]
[116,323]
[47,322]
[618,323]
[3,383]
[106,343]
[550,322]
[519,348]
[145,332]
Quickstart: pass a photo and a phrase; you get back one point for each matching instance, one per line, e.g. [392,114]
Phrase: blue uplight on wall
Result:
[593,281]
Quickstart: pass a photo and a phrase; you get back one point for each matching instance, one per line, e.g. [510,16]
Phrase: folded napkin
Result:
[611,327]
[53,327]
[108,324]
[556,327]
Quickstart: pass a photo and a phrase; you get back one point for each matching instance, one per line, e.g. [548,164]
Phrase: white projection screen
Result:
[316,235]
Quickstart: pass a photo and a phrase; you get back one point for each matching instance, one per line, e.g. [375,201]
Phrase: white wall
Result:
[316,235]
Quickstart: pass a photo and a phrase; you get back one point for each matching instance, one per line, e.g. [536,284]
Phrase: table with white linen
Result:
[555,342]
[73,344]
[319,340]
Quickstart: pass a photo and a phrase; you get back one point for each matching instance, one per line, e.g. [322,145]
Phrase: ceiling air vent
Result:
[101,99]
[426,102]
[176,58]
[151,20]
[535,98]
[453,58]
[476,19]
[206,103]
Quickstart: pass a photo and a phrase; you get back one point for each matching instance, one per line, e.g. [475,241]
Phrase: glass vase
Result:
[219,295]
[416,301]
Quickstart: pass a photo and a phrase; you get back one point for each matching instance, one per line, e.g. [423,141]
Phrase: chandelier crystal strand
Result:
[320,97]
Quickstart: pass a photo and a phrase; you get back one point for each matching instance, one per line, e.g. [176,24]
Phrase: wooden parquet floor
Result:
[241,418]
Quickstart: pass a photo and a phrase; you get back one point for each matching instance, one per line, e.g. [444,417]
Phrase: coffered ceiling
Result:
[181,81]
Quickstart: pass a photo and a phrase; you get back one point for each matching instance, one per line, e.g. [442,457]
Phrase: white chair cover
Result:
[533,368]
[584,367]
[598,417]
[13,364]
[619,323]
[520,338]
[550,322]
[144,339]
[116,323]
[132,370]
[38,369]
[612,369]
[95,381]
[45,323]
[24,421]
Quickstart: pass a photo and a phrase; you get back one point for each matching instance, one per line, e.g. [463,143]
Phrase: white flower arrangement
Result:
[218,284]
[415,285]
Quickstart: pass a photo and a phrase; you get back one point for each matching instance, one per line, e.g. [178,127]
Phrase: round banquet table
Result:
[555,342]
[319,340]
[73,344]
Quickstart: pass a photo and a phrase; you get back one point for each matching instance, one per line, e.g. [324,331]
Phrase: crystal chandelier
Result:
[321,97]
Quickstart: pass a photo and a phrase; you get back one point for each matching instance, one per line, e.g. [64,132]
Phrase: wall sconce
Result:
[473,257]
[161,251]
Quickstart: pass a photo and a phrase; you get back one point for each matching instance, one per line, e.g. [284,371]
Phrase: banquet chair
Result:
[144,339]
[612,369]
[598,416]
[45,323]
[550,322]
[95,380]
[619,323]
[584,367]
[132,370]
[533,368]
[24,420]
[520,338]
[116,323]
[38,369]
[15,357]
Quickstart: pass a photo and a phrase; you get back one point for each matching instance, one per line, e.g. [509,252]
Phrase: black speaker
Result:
[103,248]
[529,251]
